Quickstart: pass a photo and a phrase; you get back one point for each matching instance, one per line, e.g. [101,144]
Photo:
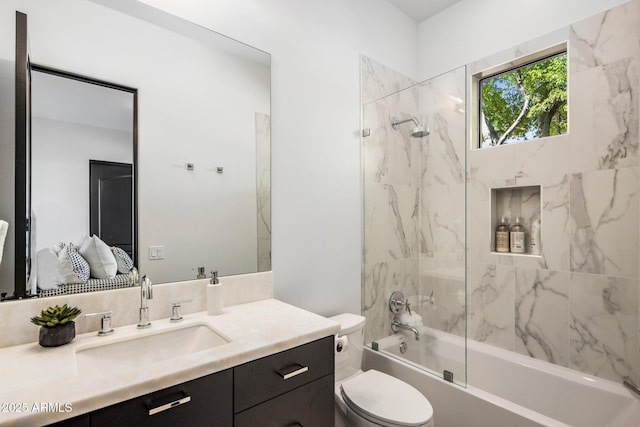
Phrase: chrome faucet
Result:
[146,293]
[396,325]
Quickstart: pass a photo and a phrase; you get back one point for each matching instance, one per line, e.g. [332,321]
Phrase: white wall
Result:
[316,200]
[472,29]
[60,175]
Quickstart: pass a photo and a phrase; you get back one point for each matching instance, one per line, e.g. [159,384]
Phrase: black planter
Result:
[58,335]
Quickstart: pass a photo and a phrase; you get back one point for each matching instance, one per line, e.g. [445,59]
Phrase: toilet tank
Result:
[349,360]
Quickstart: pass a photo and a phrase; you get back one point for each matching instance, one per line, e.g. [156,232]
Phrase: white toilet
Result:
[372,398]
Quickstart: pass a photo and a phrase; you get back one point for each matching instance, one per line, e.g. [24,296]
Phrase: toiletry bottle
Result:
[502,236]
[516,237]
[534,236]
[214,295]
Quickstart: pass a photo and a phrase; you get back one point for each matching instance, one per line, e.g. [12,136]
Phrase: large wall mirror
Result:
[148,131]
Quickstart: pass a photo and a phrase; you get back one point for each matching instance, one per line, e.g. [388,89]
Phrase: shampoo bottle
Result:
[536,248]
[214,295]
[502,236]
[516,237]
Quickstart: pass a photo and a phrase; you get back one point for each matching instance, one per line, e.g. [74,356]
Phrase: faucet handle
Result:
[105,325]
[176,316]
[406,304]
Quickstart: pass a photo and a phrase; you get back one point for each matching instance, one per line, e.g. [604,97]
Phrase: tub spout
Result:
[396,325]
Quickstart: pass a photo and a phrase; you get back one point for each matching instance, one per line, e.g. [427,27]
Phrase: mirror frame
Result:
[24,144]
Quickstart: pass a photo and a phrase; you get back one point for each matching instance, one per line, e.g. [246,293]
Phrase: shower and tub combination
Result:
[421,228]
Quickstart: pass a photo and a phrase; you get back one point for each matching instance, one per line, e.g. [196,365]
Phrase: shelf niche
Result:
[510,202]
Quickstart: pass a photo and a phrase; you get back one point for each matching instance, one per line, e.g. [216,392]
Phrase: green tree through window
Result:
[525,103]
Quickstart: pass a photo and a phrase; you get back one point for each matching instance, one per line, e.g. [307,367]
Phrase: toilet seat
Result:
[385,400]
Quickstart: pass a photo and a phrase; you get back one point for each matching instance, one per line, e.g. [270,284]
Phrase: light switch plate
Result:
[156,252]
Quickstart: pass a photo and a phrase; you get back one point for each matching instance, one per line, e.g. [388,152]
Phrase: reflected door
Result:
[111,203]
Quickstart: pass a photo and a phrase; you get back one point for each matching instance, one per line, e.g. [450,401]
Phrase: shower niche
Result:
[517,202]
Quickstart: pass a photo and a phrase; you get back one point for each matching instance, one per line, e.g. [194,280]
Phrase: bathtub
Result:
[503,388]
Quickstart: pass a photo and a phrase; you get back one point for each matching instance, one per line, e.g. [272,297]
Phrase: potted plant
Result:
[57,325]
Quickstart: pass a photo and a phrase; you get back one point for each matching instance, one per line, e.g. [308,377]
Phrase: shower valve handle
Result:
[406,304]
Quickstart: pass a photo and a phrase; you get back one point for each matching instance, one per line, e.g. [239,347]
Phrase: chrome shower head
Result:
[418,132]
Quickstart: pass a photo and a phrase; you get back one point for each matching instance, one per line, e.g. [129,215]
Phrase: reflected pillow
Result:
[72,266]
[100,258]
[47,267]
[124,261]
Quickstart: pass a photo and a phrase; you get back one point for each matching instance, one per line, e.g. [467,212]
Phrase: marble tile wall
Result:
[575,305]
[412,241]
[391,194]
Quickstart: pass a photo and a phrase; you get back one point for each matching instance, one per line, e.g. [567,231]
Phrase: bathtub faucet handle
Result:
[406,304]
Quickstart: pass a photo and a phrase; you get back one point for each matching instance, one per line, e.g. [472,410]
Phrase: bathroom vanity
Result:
[269,363]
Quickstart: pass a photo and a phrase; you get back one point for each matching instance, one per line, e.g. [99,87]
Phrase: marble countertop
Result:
[37,385]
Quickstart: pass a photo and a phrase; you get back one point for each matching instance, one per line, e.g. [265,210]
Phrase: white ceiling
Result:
[422,9]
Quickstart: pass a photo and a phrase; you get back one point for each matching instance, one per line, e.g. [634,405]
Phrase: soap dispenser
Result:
[214,295]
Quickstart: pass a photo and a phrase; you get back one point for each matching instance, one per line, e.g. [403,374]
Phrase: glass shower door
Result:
[415,224]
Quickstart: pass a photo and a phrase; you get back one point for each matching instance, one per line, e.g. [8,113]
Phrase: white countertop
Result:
[31,375]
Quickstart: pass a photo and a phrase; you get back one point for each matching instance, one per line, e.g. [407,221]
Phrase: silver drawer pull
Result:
[170,405]
[286,374]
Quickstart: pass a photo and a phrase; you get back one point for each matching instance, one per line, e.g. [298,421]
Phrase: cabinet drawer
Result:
[310,405]
[202,402]
[263,379]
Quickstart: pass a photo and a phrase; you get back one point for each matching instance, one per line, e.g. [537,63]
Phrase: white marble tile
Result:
[391,222]
[442,209]
[390,156]
[442,296]
[541,157]
[542,315]
[378,81]
[380,281]
[508,56]
[603,116]
[606,37]
[491,296]
[604,319]
[604,222]
[555,224]
[492,166]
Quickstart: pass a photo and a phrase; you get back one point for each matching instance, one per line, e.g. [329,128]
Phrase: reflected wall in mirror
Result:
[203,100]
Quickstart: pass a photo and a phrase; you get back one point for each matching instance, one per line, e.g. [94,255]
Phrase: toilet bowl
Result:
[371,398]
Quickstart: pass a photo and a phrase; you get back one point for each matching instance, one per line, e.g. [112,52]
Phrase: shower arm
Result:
[395,123]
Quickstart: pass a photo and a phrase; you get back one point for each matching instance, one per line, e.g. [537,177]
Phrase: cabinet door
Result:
[202,402]
[310,405]
[271,376]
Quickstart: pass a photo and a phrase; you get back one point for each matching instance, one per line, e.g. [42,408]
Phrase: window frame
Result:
[520,62]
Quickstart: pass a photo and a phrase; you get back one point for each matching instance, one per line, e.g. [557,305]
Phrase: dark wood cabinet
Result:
[286,389]
[79,421]
[202,402]
[310,405]
[271,376]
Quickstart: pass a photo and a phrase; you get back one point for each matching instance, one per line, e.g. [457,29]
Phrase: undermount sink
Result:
[151,348]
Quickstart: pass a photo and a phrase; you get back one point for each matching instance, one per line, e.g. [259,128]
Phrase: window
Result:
[524,103]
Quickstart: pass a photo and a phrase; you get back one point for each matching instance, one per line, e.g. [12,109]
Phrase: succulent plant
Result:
[56,316]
